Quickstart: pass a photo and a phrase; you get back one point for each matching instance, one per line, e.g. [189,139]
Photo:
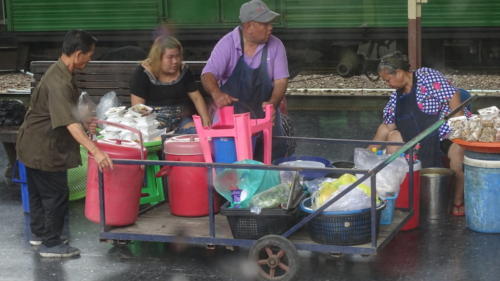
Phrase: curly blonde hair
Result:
[153,61]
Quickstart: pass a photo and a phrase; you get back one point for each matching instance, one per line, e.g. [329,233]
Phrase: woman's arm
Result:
[454,103]
[201,107]
[136,100]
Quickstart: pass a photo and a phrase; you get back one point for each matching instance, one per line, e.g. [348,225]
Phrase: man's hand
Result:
[223,99]
[92,125]
[102,159]
[274,111]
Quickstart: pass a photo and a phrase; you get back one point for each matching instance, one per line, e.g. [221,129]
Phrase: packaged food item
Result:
[473,130]
[117,111]
[457,125]
[497,123]
[488,113]
[488,134]
[141,110]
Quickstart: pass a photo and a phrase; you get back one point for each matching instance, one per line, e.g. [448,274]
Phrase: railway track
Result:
[479,82]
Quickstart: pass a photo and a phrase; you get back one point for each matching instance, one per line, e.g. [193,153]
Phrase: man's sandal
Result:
[458,210]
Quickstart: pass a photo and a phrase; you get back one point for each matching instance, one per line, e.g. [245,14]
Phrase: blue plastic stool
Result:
[21,178]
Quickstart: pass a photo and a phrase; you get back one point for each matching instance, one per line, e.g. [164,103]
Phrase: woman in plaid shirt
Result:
[422,97]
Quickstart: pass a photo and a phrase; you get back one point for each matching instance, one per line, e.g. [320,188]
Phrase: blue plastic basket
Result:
[342,227]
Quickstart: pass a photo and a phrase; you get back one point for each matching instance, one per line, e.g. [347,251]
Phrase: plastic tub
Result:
[482,191]
[306,162]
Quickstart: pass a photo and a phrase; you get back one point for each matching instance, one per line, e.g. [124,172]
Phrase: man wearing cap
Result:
[248,67]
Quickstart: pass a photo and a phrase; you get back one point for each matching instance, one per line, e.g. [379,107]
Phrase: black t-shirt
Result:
[156,93]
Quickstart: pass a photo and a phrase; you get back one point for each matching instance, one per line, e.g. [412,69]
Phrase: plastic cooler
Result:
[403,200]
[187,186]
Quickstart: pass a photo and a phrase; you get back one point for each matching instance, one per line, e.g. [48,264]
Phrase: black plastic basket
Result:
[247,225]
[341,228]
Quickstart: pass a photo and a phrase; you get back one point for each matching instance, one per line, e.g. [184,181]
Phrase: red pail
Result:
[122,184]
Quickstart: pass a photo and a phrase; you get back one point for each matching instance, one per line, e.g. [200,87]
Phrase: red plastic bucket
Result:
[122,184]
[403,200]
[187,186]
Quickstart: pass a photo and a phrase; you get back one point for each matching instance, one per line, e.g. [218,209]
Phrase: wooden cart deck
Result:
[158,224]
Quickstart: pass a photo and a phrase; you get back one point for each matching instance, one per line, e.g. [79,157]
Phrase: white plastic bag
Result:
[107,101]
[389,178]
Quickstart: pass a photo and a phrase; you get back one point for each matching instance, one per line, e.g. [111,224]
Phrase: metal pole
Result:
[373,181]
[413,34]
[102,216]
[211,202]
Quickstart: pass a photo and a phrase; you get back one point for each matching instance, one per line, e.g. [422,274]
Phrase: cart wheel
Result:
[276,258]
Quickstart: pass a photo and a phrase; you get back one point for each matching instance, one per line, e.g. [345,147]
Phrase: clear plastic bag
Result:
[271,198]
[238,186]
[315,184]
[86,107]
[107,101]
[356,199]
[389,178]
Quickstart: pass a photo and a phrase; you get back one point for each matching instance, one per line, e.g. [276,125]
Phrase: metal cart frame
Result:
[295,238]
[278,252]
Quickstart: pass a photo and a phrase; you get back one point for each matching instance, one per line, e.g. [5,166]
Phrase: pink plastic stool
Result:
[241,128]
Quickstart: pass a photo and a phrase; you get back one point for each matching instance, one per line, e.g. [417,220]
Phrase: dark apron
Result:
[169,116]
[411,121]
[252,87]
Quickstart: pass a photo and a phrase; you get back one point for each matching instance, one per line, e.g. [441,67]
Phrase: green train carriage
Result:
[313,30]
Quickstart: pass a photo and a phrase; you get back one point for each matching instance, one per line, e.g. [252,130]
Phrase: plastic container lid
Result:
[183,145]
[121,149]
[303,164]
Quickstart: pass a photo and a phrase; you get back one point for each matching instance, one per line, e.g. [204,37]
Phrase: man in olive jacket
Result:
[48,144]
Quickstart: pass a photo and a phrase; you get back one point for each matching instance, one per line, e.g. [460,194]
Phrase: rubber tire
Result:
[289,258]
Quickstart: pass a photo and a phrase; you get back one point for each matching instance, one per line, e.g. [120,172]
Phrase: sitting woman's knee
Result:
[394,135]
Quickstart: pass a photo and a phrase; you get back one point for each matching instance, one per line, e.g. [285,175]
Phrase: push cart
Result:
[275,255]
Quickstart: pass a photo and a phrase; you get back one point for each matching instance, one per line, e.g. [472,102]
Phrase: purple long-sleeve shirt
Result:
[227,51]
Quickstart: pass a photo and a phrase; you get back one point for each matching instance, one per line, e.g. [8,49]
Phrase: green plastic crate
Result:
[77,178]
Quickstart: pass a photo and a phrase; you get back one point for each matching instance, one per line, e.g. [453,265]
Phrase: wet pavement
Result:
[441,250]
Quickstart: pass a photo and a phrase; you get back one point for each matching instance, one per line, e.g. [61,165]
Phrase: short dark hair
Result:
[393,62]
[78,40]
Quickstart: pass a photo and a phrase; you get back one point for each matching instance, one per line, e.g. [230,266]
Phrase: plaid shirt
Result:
[433,93]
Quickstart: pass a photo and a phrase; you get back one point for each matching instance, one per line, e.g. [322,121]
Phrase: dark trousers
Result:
[49,196]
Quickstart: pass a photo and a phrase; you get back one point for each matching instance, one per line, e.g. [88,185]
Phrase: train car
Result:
[353,32]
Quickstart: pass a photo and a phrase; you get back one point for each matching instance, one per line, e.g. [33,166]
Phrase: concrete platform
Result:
[443,250]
